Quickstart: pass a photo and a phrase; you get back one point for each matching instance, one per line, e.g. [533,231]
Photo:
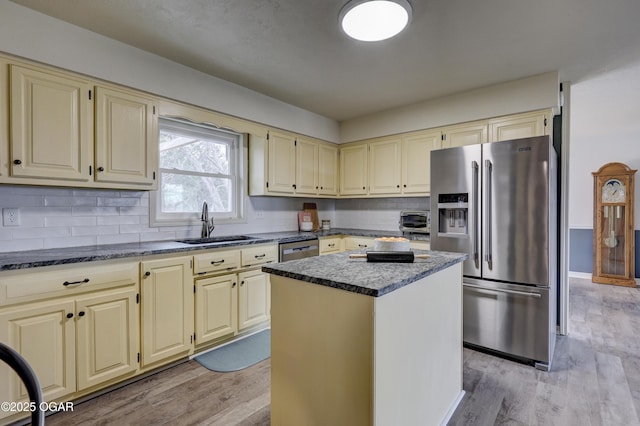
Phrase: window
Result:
[197,163]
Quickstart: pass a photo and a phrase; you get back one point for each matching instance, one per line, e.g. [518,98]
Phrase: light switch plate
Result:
[11,217]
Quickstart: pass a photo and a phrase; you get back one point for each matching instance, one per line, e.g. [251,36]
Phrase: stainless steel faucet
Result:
[207,224]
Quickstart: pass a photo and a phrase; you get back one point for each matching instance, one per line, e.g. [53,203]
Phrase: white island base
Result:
[343,358]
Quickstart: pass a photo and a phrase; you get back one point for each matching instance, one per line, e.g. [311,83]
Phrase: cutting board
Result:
[313,209]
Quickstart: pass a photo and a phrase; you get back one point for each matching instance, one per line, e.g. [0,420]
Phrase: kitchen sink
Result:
[217,240]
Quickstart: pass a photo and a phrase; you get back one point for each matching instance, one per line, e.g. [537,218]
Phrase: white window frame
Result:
[238,144]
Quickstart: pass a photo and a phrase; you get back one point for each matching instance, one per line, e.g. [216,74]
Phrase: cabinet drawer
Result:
[56,281]
[226,260]
[358,243]
[258,255]
[330,245]
[420,245]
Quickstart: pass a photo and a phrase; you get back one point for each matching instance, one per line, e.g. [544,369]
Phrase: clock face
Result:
[613,191]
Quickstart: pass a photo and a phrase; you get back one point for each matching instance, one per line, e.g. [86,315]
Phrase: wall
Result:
[527,94]
[33,35]
[605,127]
[67,217]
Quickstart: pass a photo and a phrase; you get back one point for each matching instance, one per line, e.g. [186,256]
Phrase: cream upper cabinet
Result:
[166,310]
[416,161]
[520,126]
[44,334]
[126,137]
[385,166]
[464,134]
[108,338]
[216,307]
[282,160]
[327,169]
[254,298]
[306,167]
[51,125]
[354,170]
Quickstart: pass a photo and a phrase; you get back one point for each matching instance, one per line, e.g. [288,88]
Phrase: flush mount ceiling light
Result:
[374,20]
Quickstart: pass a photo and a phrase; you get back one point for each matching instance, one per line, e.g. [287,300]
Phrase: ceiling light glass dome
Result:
[374,20]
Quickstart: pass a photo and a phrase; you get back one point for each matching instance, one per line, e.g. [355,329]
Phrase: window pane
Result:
[184,193]
[193,154]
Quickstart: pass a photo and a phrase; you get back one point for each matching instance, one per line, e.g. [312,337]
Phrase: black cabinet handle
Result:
[101,169]
[69,315]
[146,274]
[242,282]
[259,256]
[217,262]
[233,285]
[66,283]
[398,186]
[81,313]
[17,162]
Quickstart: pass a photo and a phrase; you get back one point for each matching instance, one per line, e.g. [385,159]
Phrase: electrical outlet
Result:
[259,214]
[11,217]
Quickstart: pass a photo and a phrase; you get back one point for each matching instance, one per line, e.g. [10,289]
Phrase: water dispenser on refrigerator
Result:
[453,215]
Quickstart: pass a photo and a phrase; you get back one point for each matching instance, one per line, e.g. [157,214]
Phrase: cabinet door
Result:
[384,166]
[518,126]
[253,298]
[282,159]
[126,138]
[216,307]
[353,170]
[328,170]
[306,167]
[167,309]
[108,337]
[416,161]
[465,134]
[51,125]
[45,336]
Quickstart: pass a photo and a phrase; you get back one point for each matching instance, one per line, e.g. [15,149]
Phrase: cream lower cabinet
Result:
[358,243]
[72,344]
[166,310]
[108,341]
[254,298]
[46,337]
[329,245]
[216,308]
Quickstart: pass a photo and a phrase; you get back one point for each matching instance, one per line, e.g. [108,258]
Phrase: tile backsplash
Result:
[68,217]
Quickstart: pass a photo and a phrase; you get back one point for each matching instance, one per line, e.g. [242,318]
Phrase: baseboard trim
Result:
[453,408]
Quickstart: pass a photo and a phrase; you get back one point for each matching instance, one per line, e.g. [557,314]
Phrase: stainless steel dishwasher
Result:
[299,250]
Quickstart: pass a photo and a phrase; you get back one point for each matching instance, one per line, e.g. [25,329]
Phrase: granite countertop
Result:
[360,276]
[59,256]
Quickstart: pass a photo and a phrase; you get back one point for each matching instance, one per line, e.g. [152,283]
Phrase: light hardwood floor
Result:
[595,380]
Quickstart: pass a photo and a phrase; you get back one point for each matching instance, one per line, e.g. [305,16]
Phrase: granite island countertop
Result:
[360,276]
[67,255]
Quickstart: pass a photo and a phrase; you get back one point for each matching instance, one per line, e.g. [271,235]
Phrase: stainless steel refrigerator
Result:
[497,202]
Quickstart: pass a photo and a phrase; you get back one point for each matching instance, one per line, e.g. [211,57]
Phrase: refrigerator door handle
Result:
[488,250]
[502,290]
[476,236]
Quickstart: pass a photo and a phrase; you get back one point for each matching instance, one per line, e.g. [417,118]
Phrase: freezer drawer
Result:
[509,318]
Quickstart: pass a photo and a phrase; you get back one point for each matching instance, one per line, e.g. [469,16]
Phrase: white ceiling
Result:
[292,50]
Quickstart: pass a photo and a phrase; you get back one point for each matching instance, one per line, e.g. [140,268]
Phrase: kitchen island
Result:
[360,343]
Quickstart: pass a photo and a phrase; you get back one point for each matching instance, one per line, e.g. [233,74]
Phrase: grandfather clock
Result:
[613,230]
